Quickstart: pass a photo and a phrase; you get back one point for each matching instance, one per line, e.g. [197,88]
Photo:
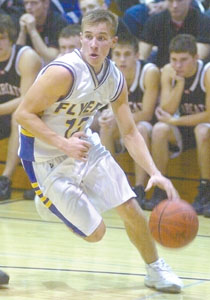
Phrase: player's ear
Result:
[114,41]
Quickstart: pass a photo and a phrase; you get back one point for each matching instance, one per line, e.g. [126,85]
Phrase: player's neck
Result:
[193,71]
[130,76]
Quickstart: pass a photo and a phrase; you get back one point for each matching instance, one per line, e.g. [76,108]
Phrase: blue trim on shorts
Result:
[28,166]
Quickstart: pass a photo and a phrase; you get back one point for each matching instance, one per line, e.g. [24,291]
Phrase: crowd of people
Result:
[160,62]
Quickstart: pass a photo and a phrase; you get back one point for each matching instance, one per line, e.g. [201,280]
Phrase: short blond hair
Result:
[100,16]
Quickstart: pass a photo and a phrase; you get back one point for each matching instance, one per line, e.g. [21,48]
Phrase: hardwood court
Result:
[46,261]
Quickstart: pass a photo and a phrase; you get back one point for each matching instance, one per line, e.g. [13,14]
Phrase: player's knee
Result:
[143,130]
[202,132]
[97,235]
[130,210]
[160,130]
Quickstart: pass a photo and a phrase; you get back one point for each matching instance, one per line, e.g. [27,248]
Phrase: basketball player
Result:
[143,87]
[184,115]
[69,38]
[19,66]
[73,174]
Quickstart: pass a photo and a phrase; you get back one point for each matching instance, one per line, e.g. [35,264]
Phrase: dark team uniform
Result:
[192,102]
[136,90]
[9,85]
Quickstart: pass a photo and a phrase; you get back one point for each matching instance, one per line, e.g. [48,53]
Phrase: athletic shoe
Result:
[157,197]
[4,278]
[206,210]
[29,194]
[203,197]
[140,195]
[160,276]
[5,188]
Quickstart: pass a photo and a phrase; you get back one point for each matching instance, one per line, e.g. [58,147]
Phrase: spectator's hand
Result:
[76,146]
[165,184]
[23,27]
[28,21]
[163,116]
[173,74]
[107,118]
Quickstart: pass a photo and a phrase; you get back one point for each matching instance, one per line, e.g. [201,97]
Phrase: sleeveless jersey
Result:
[136,90]
[75,112]
[193,97]
[10,76]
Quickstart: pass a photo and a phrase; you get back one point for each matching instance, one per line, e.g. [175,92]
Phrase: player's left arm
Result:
[197,118]
[151,91]
[136,145]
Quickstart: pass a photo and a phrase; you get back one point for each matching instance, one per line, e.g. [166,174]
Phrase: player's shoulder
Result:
[27,53]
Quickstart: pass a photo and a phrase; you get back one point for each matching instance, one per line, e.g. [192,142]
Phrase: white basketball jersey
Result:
[75,112]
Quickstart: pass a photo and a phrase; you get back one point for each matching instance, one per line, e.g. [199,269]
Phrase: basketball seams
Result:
[159,223]
[173,224]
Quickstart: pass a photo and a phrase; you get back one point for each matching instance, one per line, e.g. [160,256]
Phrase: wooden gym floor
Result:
[46,261]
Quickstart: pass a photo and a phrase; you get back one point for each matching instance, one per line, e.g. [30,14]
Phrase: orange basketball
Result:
[173,224]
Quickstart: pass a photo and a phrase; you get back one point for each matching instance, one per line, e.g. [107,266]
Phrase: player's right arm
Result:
[170,94]
[48,88]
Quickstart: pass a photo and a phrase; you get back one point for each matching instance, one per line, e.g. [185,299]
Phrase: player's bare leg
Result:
[159,274]
[137,229]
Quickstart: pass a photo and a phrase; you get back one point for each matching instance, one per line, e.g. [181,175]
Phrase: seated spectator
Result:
[13,8]
[183,115]
[19,66]
[69,38]
[88,5]
[39,28]
[69,9]
[118,7]
[136,16]
[143,85]
[178,18]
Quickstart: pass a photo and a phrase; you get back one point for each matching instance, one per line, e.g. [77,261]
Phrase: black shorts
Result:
[5,126]
[188,137]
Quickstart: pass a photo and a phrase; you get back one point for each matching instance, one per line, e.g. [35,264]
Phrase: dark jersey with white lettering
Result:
[136,90]
[9,85]
[193,98]
[10,76]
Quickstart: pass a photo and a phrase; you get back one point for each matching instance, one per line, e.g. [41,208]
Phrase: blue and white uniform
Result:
[77,192]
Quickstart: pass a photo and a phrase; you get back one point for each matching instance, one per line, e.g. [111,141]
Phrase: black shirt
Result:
[51,29]
[159,30]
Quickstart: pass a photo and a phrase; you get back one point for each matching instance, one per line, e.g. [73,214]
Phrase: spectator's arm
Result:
[47,53]
[28,74]
[171,94]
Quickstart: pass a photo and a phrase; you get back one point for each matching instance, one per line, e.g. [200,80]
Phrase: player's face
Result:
[96,42]
[184,63]
[68,44]
[125,58]
[5,46]
[178,8]
[37,8]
